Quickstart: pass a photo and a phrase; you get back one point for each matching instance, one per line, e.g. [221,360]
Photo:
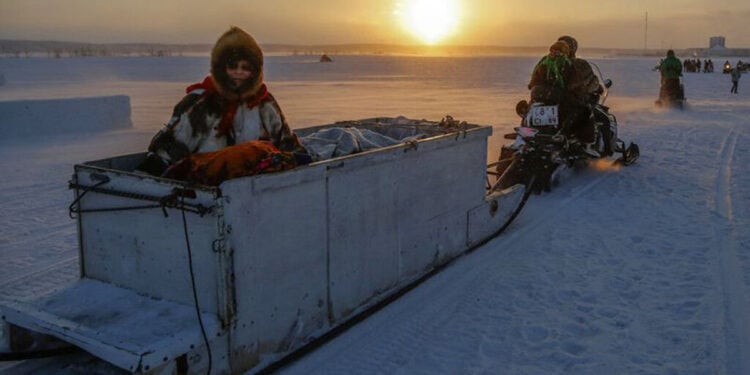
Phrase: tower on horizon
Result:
[716,42]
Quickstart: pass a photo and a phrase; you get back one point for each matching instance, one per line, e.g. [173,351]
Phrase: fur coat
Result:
[213,115]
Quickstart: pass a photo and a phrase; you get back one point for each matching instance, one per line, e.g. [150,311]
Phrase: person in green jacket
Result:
[671,71]
[671,67]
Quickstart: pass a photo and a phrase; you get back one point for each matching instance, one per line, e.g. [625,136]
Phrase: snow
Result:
[636,270]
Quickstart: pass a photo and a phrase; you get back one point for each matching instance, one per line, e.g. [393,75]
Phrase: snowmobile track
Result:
[736,329]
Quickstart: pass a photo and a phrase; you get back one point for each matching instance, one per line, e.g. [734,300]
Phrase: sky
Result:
[596,23]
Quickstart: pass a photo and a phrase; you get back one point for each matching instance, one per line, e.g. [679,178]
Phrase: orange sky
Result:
[596,23]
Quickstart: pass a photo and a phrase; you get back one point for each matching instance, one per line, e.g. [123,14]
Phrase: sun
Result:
[429,20]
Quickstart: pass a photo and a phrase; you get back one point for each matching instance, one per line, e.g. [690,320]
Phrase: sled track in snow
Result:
[736,328]
[562,202]
[40,280]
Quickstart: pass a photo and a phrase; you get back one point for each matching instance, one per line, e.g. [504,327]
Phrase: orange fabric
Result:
[244,159]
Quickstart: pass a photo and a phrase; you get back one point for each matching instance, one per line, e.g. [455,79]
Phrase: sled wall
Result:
[313,246]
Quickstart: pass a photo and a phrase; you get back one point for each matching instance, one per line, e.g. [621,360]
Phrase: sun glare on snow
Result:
[429,20]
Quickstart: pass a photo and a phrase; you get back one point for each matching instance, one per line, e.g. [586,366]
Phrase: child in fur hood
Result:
[229,107]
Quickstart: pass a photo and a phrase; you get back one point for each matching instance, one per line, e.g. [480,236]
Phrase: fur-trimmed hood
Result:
[236,44]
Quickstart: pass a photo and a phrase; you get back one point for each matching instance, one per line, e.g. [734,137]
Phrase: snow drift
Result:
[24,118]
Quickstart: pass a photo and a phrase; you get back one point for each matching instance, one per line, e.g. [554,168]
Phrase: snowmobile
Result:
[742,67]
[727,68]
[542,148]
[671,94]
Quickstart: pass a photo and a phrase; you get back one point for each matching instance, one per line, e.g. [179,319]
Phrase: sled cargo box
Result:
[274,261]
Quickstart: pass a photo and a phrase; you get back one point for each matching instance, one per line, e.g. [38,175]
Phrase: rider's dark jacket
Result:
[584,85]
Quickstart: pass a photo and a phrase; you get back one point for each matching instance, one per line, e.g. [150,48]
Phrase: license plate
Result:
[543,115]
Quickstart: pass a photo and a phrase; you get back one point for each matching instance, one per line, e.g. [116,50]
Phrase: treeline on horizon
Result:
[57,49]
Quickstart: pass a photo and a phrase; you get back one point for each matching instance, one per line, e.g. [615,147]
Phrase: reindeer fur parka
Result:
[212,115]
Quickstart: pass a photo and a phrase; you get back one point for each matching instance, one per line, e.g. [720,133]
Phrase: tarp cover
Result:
[333,142]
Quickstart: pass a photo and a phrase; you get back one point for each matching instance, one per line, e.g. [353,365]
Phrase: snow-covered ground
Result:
[637,270]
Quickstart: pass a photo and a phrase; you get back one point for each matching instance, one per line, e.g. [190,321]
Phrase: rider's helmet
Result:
[572,44]
[559,48]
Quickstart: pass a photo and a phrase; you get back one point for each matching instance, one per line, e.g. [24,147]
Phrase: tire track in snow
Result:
[736,328]
[723,199]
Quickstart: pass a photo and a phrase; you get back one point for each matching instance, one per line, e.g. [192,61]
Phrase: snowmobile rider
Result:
[551,75]
[671,71]
[230,106]
[562,78]
[584,85]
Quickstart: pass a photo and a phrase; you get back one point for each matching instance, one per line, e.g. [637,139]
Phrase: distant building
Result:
[717,48]
[716,42]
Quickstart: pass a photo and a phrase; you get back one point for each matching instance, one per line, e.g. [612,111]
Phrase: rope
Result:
[195,293]
[163,202]
[75,204]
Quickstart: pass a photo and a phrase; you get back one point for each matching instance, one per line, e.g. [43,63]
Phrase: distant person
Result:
[736,74]
[230,106]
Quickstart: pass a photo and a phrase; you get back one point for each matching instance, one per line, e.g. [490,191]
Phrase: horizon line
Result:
[358,44]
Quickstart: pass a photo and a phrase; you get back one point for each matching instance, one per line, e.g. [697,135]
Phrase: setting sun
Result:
[429,20]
